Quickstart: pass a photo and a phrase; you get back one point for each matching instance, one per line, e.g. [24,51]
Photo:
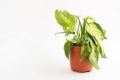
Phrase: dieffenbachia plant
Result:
[87,34]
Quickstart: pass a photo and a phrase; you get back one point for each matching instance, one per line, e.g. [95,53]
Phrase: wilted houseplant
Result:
[87,36]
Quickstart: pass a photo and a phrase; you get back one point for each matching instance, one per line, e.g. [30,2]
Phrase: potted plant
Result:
[84,38]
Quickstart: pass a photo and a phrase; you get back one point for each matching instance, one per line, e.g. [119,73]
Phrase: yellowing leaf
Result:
[66,20]
[95,30]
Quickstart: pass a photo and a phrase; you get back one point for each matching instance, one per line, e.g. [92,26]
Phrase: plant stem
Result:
[59,33]
[80,23]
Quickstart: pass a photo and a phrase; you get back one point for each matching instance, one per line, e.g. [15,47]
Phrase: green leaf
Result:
[94,55]
[101,49]
[67,47]
[98,44]
[85,51]
[95,29]
[66,20]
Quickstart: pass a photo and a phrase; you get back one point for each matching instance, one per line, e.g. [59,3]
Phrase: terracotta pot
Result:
[76,64]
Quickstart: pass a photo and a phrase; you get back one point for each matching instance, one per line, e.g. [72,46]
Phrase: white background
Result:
[29,50]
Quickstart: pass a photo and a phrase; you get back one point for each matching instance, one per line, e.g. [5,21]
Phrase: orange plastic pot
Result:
[76,64]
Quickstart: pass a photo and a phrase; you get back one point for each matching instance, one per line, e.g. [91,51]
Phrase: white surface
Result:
[29,50]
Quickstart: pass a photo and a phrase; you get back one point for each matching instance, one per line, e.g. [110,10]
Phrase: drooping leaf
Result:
[66,20]
[67,47]
[98,44]
[101,49]
[95,30]
[85,51]
[92,38]
[94,55]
